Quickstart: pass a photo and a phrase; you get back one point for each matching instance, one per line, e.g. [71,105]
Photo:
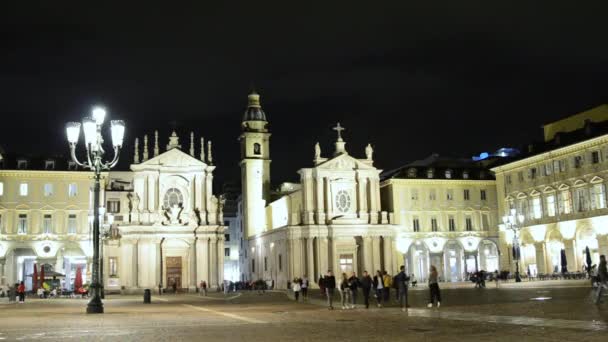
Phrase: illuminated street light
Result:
[94,151]
[514,222]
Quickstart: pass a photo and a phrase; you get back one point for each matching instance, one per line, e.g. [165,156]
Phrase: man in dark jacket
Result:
[322,285]
[366,286]
[353,284]
[402,284]
[330,285]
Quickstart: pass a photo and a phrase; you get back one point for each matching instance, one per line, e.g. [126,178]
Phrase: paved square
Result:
[506,314]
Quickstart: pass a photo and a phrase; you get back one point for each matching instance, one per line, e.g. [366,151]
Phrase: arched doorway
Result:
[586,237]
[453,254]
[488,256]
[418,260]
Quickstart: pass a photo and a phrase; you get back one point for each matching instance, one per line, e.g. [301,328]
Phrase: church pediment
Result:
[344,162]
[172,158]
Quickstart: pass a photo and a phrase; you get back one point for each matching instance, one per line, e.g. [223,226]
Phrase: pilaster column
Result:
[192,268]
[368,259]
[570,247]
[151,193]
[202,259]
[376,252]
[213,280]
[208,192]
[541,257]
[310,260]
[220,259]
[320,197]
[324,261]
[388,255]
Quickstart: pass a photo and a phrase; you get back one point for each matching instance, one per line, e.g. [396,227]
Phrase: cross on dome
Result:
[339,129]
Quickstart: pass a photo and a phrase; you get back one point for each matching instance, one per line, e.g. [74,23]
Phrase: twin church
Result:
[163,225]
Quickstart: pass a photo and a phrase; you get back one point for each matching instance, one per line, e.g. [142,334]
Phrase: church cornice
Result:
[30,174]
[437,182]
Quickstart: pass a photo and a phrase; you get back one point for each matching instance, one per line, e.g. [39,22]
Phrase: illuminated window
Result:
[48,189]
[173,197]
[565,202]
[434,227]
[465,174]
[47,224]
[468,223]
[429,173]
[72,224]
[23,189]
[22,164]
[550,205]
[22,224]
[537,208]
[346,263]
[451,223]
[598,196]
[72,190]
[113,206]
[416,224]
[226,252]
[448,174]
[595,157]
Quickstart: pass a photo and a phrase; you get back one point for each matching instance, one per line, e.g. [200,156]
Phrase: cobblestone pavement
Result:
[549,314]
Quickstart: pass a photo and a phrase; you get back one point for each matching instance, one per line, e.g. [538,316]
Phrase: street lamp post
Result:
[94,150]
[513,222]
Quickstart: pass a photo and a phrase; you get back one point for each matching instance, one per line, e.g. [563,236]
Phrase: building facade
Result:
[559,187]
[331,220]
[161,223]
[446,211]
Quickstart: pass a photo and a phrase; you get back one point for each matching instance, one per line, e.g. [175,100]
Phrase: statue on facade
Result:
[317,151]
[369,152]
[172,214]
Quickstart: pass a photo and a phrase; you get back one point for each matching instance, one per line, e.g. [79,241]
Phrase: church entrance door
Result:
[174,272]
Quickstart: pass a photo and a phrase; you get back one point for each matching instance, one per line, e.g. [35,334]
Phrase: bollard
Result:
[147,296]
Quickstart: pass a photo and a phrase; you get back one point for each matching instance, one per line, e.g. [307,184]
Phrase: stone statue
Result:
[317,151]
[133,202]
[369,152]
[173,214]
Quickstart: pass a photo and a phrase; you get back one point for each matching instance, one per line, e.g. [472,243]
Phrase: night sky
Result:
[410,77]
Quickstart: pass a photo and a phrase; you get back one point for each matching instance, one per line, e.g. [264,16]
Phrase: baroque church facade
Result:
[331,220]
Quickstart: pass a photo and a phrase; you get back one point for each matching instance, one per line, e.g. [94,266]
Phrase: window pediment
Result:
[579,182]
[563,186]
[548,189]
[521,195]
[596,179]
[534,193]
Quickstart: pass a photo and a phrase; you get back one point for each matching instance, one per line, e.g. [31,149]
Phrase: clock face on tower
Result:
[342,201]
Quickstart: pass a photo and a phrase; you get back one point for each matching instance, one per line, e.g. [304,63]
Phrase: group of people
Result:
[300,285]
[378,286]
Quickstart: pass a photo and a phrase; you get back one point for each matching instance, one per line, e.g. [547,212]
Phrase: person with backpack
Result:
[402,280]
[366,287]
[388,283]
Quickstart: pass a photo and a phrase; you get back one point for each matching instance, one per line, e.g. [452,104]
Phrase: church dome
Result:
[254,111]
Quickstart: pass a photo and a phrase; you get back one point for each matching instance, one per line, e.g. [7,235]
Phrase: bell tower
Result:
[255,166]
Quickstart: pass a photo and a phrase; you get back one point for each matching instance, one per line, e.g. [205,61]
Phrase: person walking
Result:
[304,288]
[366,287]
[387,281]
[434,288]
[296,287]
[329,282]
[353,283]
[344,292]
[402,280]
[21,292]
[602,274]
[321,284]
[379,288]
